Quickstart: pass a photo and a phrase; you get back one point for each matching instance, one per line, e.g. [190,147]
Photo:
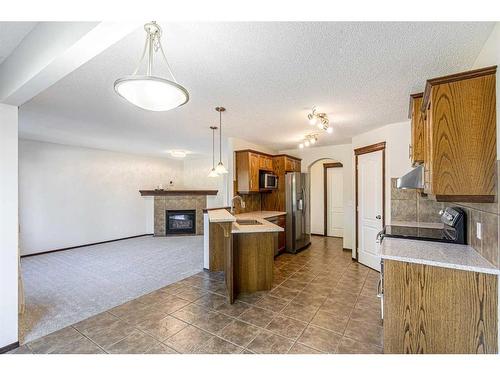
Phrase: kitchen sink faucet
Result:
[232,202]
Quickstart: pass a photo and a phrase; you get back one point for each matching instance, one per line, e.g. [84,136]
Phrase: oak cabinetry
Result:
[249,163]
[281,242]
[291,165]
[266,163]
[275,200]
[460,136]
[430,309]
[416,151]
[247,171]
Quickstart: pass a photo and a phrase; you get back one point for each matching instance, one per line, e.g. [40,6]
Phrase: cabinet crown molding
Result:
[454,78]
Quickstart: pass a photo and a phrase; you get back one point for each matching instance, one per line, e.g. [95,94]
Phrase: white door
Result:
[369,208]
[335,202]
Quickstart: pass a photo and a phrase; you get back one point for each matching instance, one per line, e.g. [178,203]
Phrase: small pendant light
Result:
[213,172]
[220,169]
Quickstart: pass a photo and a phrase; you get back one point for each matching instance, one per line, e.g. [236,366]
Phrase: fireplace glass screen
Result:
[181,222]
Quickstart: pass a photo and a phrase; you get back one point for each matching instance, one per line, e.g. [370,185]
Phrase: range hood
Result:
[413,179]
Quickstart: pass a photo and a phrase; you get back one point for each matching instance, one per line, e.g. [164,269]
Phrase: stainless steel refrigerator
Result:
[298,230]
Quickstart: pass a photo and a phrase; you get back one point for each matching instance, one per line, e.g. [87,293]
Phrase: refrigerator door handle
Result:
[300,205]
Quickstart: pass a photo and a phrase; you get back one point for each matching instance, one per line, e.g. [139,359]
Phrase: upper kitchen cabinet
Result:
[250,163]
[460,136]
[291,164]
[266,163]
[247,171]
[416,151]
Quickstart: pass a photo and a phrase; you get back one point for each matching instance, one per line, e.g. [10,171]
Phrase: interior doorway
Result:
[327,199]
[370,202]
[333,182]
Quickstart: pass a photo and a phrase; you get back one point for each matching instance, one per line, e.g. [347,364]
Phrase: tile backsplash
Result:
[410,206]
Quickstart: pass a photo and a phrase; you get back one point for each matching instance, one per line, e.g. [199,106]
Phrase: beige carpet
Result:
[65,287]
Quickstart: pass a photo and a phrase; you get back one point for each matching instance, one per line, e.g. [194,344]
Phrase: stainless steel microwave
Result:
[268,181]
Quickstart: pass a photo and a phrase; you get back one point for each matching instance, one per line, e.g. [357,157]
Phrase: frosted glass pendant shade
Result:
[213,173]
[220,169]
[151,93]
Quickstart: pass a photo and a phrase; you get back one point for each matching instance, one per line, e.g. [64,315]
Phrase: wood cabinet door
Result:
[417,132]
[254,162]
[269,164]
[262,162]
[427,150]
[289,165]
[436,310]
[265,163]
[297,166]
[463,140]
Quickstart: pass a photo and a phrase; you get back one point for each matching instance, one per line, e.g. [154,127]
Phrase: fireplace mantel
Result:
[159,193]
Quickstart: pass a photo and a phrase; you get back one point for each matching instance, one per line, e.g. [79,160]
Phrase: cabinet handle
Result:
[379,288]
[409,151]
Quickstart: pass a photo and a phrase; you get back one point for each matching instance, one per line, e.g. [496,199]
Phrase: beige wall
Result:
[71,196]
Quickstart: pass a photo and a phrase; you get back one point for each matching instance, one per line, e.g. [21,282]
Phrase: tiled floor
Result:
[322,302]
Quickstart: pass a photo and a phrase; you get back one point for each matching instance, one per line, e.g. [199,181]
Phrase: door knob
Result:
[378,217]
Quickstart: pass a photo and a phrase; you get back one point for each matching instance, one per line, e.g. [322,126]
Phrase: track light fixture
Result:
[309,140]
[319,119]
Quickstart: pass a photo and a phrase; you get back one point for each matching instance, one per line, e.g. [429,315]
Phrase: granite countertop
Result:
[440,254]
[260,214]
[220,216]
[224,216]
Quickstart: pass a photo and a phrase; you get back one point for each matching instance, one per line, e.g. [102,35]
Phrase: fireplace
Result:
[180,222]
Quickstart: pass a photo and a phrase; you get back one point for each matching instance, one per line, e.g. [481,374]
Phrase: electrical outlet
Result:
[479,234]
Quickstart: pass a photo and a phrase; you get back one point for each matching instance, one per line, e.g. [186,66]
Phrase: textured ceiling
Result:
[267,75]
[11,34]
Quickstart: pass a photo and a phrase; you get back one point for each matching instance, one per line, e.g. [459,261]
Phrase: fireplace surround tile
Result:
[181,202]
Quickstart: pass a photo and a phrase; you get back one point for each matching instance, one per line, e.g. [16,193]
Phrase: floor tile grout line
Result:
[84,335]
[310,265]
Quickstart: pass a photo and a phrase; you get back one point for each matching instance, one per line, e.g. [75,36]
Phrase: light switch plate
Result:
[479,234]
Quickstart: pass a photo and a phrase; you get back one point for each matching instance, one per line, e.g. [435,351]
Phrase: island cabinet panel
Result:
[253,261]
[431,310]
[460,136]
[416,151]
[219,241]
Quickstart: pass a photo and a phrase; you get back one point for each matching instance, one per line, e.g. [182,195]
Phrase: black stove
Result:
[453,230]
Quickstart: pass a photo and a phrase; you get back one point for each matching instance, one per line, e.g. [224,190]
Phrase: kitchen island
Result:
[243,247]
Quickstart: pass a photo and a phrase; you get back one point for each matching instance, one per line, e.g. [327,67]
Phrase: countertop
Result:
[224,216]
[447,255]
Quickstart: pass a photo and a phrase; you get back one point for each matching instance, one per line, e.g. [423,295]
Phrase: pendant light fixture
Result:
[213,172]
[148,91]
[220,169]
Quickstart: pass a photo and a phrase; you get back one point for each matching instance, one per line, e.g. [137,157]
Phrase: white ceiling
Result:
[267,75]
[11,34]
